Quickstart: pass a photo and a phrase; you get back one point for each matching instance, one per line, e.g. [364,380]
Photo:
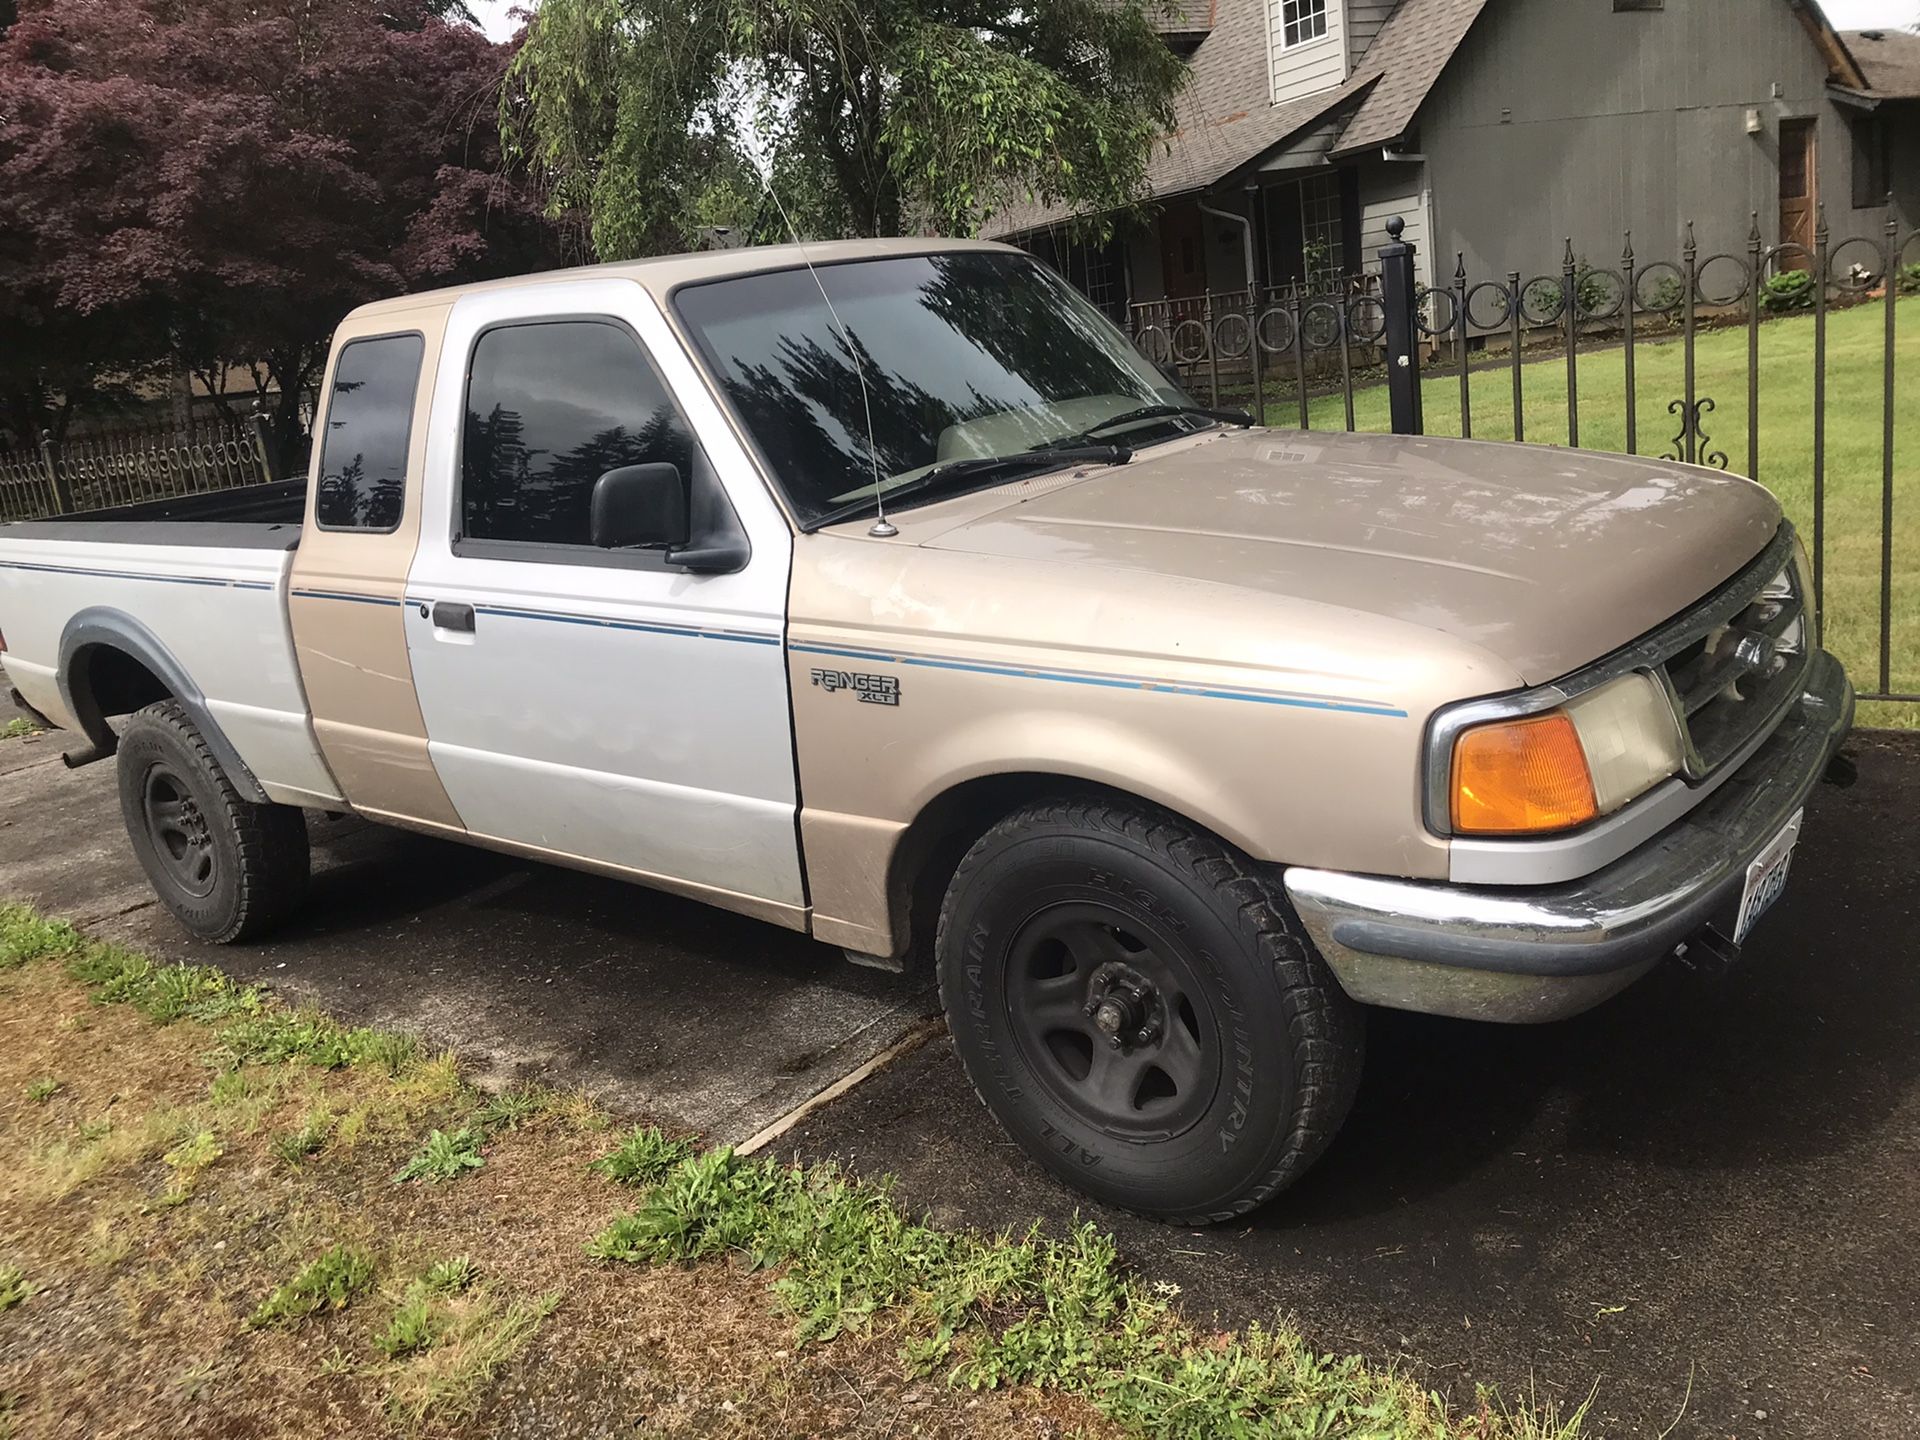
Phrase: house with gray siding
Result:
[1497,129]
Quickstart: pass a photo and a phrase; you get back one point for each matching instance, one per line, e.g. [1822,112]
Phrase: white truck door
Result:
[603,707]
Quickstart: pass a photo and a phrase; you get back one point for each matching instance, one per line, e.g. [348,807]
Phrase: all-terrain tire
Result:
[1202,938]
[228,869]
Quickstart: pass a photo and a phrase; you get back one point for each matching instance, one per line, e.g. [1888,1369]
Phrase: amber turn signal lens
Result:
[1521,777]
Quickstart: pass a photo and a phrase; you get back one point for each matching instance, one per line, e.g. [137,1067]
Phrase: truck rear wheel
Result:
[227,868]
[1136,1003]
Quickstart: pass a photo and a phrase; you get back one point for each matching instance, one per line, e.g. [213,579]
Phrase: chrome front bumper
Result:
[1528,955]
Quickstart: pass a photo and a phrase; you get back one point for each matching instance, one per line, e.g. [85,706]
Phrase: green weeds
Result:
[643,1158]
[25,936]
[14,1287]
[444,1157]
[187,1160]
[423,1316]
[19,728]
[473,1335]
[44,1089]
[329,1283]
[1001,1311]
[298,1144]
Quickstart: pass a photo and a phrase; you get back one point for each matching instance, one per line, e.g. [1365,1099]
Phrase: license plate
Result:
[1766,877]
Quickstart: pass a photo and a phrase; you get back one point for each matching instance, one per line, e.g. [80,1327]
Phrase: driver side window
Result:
[551,407]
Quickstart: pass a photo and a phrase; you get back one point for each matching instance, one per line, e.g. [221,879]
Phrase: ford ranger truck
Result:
[935,619]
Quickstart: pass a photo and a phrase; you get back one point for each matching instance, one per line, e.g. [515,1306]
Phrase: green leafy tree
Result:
[921,114]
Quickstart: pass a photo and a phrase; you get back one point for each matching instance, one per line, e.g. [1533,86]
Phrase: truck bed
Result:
[183,520]
[196,586]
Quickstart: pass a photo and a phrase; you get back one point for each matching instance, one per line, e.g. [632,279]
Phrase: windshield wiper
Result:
[982,467]
[1162,412]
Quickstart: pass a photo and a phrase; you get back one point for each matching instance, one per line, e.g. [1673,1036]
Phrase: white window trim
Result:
[1327,29]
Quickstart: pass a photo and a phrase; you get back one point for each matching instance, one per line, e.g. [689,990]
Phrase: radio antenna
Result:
[882,528]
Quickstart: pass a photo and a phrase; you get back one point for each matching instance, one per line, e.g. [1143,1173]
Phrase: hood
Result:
[1545,558]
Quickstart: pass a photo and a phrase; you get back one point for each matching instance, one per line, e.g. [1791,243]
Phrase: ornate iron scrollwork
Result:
[1692,430]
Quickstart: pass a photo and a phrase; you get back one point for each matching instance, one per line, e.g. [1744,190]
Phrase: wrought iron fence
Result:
[128,466]
[1239,343]
[1289,353]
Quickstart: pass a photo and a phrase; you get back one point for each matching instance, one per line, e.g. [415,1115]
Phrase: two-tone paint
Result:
[1252,629]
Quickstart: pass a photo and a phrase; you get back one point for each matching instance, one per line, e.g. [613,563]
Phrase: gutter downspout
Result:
[1246,231]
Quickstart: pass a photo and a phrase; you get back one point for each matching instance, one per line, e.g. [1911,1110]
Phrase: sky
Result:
[1845,14]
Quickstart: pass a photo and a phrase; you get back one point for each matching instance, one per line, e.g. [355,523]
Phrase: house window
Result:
[1301,21]
[1323,247]
[1871,169]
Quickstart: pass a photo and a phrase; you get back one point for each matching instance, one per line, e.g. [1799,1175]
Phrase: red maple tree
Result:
[211,183]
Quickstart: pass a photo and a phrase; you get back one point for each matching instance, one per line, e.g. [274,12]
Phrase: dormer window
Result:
[1302,21]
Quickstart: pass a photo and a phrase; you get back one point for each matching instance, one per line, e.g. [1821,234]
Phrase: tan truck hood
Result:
[1543,557]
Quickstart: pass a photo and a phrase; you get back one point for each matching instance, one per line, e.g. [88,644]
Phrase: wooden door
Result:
[1183,251]
[1799,188]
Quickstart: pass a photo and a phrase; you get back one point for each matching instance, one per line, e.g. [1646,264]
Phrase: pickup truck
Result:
[883,591]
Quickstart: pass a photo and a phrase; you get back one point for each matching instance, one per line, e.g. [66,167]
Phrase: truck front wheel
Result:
[227,868]
[1137,1005]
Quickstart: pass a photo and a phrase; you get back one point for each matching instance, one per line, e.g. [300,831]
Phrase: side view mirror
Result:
[639,505]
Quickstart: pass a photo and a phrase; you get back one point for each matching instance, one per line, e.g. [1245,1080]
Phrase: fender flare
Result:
[102,625]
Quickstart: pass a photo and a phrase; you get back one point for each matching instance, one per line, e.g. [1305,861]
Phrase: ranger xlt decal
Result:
[868,689]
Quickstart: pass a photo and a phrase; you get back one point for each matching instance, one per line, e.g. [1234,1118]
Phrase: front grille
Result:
[1732,675]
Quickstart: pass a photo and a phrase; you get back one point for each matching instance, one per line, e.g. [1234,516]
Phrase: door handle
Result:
[451,615]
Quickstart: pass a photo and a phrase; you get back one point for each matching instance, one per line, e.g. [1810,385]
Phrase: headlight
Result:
[1562,768]
[1803,572]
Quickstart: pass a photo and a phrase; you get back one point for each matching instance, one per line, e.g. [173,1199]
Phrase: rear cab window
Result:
[363,455]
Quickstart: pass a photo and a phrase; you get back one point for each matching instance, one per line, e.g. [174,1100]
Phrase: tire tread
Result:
[274,858]
[1326,1028]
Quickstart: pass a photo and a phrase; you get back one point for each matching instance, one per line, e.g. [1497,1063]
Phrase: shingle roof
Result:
[1890,59]
[1225,122]
[1408,55]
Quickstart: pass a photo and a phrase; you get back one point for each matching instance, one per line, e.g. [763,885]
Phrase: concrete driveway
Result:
[698,1019]
[1710,1182]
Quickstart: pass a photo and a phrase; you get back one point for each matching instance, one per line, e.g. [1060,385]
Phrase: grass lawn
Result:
[1855,345]
[220,1216]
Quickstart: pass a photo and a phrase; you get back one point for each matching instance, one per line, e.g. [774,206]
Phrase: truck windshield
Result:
[966,354]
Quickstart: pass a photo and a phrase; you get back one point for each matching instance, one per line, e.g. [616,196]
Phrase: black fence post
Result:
[260,428]
[1398,294]
[50,457]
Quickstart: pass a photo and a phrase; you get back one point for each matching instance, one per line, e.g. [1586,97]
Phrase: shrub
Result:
[1789,290]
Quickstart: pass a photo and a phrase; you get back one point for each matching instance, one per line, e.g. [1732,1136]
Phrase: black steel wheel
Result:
[182,843]
[1136,1003]
[1113,1020]
[228,868]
